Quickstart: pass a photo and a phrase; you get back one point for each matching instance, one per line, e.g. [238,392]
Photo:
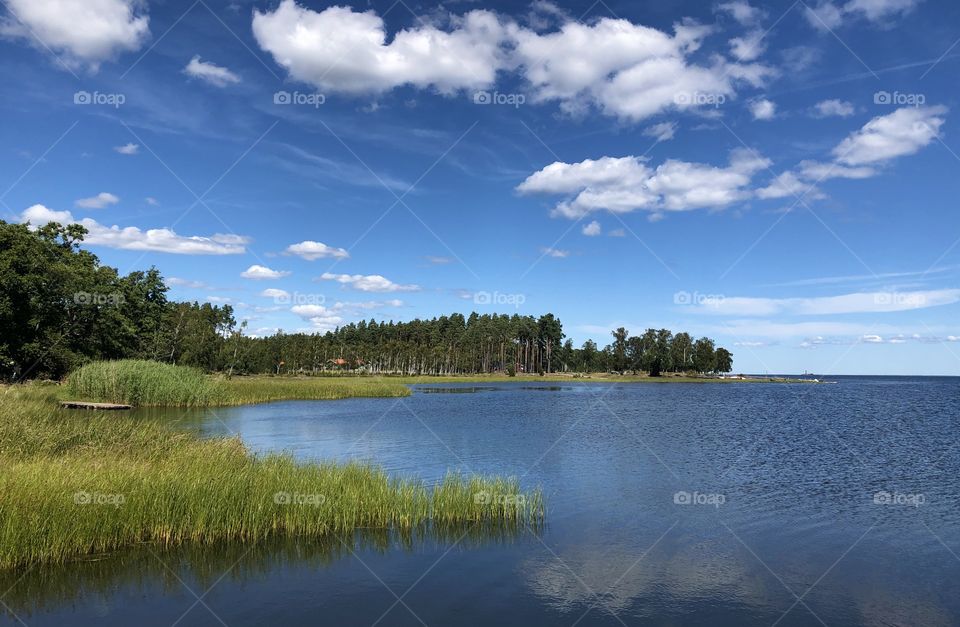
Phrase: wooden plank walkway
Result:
[86,405]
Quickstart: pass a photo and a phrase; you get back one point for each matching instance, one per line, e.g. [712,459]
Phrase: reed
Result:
[150,383]
[78,483]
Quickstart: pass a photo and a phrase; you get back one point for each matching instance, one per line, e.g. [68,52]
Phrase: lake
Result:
[668,504]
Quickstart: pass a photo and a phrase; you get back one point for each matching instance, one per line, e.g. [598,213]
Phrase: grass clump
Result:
[79,483]
[150,383]
[141,382]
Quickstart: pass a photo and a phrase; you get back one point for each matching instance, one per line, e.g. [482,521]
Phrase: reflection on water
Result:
[472,389]
[636,535]
[150,567]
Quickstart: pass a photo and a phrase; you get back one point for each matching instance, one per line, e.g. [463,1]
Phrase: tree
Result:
[620,349]
[704,359]
[723,360]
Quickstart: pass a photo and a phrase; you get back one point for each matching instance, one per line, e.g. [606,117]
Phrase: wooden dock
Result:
[99,406]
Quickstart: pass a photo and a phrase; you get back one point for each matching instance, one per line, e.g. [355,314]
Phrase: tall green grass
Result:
[77,483]
[149,383]
[142,382]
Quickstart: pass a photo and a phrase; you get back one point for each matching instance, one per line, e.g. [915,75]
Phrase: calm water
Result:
[809,504]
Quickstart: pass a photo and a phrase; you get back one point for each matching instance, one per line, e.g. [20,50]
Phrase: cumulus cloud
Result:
[592,230]
[661,132]
[785,184]
[338,49]
[624,69]
[210,73]
[272,292]
[625,184]
[556,253]
[259,273]
[101,200]
[864,152]
[748,47]
[742,11]
[368,283]
[128,149]
[833,108]
[886,137]
[763,109]
[82,33]
[132,238]
[311,250]
[325,318]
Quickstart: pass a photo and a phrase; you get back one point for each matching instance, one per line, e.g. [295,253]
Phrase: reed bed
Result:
[149,383]
[80,483]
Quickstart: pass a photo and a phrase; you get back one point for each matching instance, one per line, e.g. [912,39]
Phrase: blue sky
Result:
[779,176]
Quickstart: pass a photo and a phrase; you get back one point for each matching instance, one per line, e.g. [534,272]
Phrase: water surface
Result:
[669,504]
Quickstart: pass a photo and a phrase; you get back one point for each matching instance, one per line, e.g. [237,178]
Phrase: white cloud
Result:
[785,184]
[209,72]
[748,47]
[338,49]
[863,152]
[132,238]
[438,261]
[591,230]
[257,273]
[556,253]
[626,70]
[833,107]
[816,171]
[82,33]
[328,318]
[368,283]
[153,202]
[272,292]
[661,132]
[875,10]
[826,14]
[128,149]
[763,109]
[860,302]
[179,282]
[101,200]
[742,11]
[311,250]
[626,184]
[903,132]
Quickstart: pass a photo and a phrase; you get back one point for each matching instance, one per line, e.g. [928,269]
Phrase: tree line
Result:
[60,307]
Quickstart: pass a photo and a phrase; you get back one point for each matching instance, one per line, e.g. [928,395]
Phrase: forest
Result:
[60,308]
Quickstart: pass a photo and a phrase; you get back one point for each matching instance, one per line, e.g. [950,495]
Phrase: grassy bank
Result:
[78,483]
